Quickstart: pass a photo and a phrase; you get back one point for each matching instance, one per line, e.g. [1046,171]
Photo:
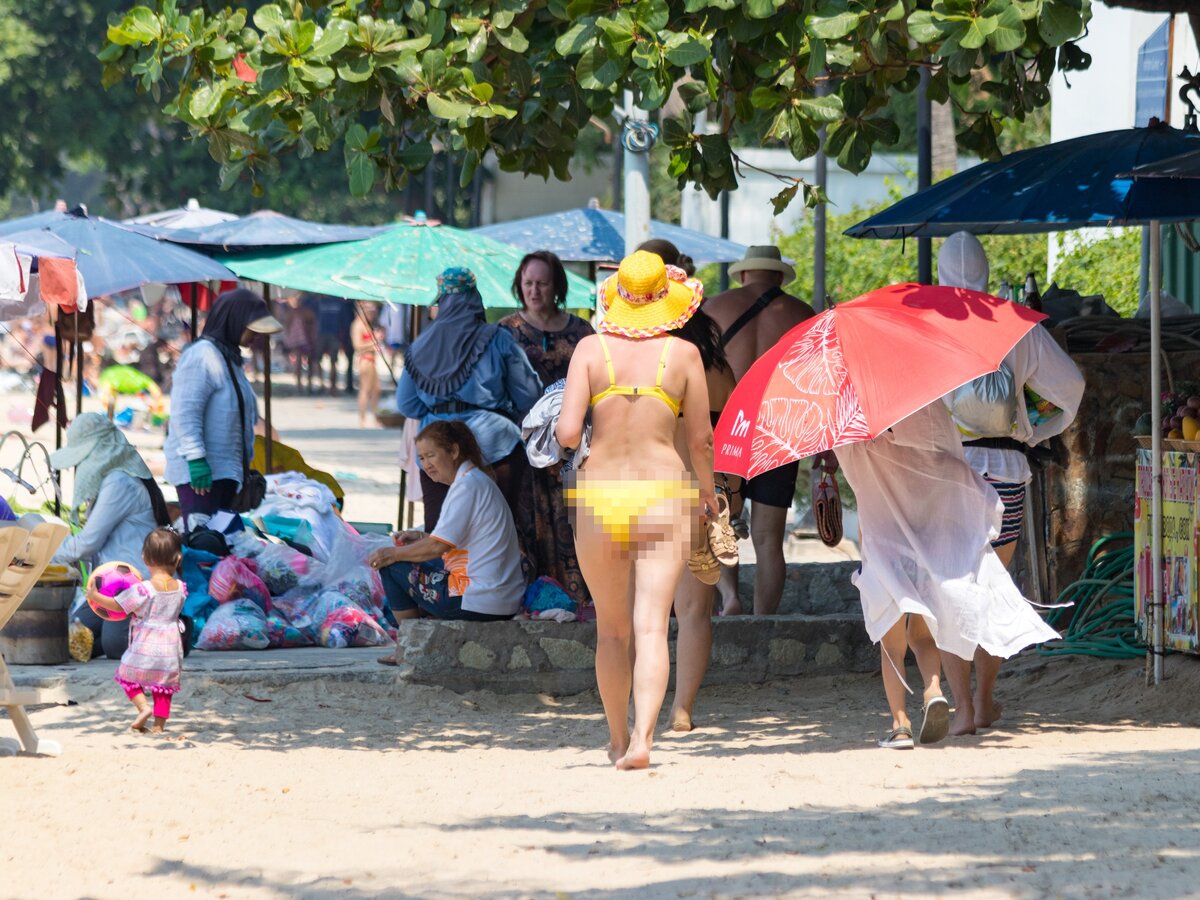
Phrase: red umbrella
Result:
[855,370]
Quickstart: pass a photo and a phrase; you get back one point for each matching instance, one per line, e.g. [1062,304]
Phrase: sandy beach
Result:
[1085,788]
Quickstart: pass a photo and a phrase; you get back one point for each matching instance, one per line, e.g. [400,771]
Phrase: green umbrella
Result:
[400,265]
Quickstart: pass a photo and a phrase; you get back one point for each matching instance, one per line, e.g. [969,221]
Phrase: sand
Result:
[1086,788]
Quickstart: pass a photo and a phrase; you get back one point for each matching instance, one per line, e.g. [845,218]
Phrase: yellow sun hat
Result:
[647,298]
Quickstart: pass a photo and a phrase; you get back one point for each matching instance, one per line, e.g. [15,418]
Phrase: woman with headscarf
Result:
[120,503]
[465,369]
[206,449]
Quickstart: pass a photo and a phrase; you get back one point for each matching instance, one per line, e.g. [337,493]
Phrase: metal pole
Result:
[267,442]
[1157,605]
[924,171]
[821,176]
[59,402]
[195,310]
[725,234]
[78,367]
[400,504]
[637,176]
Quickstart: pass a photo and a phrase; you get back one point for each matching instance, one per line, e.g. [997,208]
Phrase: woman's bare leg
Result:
[693,646]
[607,578]
[654,590]
[892,650]
[958,674]
[987,667]
[929,658]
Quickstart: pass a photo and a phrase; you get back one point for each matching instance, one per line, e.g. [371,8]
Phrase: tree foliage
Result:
[393,79]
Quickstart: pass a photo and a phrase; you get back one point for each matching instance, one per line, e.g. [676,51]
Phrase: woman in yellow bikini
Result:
[634,505]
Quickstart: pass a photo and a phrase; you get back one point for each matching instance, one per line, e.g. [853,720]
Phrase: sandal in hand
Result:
[721,538]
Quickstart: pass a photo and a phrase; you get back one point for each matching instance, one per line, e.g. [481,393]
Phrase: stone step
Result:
[813,589]
[526,656]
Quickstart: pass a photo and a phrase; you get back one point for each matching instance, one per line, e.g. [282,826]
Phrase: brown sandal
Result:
[721,539]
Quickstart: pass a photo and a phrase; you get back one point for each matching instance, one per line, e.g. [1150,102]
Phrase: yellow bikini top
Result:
[621,390]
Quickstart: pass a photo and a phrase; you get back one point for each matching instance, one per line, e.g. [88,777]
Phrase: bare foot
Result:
[963,721]
[636,757]
[986,714]
[732,608]
[681,720]
[156,729]
[139,723]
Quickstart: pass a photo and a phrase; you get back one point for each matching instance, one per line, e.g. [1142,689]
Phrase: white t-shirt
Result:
[477,524]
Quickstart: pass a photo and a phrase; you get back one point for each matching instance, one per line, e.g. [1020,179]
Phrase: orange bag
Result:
[59,283]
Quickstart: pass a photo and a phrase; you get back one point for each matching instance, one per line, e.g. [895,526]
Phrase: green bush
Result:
[1110,266]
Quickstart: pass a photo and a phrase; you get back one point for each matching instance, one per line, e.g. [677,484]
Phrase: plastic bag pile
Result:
[269,595]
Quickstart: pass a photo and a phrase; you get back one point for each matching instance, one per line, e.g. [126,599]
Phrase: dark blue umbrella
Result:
[1078,183]
[113,258]
[598,235]
[1186,167]
[36,220]
[260,230]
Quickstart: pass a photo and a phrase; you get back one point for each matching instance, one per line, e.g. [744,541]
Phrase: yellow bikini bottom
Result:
[618,507]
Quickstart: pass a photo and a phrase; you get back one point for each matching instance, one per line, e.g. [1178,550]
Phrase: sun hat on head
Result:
[94,447]
[647,297]
[764,258]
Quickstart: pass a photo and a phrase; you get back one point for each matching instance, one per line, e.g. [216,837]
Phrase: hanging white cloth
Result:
[927,521]
[409,462]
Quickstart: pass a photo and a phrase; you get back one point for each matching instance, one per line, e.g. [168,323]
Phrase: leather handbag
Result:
[827,509]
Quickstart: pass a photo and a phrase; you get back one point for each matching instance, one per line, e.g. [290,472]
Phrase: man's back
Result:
[780,316]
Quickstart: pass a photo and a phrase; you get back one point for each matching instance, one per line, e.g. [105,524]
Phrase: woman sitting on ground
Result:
[469,567]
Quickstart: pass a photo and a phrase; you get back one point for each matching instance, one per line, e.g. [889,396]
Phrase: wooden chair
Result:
[25,555]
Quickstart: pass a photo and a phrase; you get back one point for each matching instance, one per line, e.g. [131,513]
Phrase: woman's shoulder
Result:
[579,325]
[511,322]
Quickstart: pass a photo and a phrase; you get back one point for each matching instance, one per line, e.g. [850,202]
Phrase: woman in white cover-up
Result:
[927,521]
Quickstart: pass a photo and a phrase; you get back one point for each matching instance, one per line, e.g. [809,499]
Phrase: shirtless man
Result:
[747,336]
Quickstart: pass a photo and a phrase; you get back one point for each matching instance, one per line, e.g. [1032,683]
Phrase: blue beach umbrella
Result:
[113,258]
[1079,183]
[598,235]
[260,231]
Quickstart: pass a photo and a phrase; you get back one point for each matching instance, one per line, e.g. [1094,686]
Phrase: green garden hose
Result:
[1101,621]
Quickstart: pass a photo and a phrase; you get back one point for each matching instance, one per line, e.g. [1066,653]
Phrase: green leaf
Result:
[477,46]
[685,50]
[784,198]
[268,18]
[761,9]
[597,71]
[205,101]
[652,15]
[1059,23]
[676,132]
[513,40]
[924,28]
[483,91]
[816,59]
[362,172]
[415,157]
[358,69]
[976,33]
[833,27]
[329,42]
[1009,33]
[578,36]
[822,109]
[470,164]
[357,137]
[450,110]
[139,26]
[619,34]
[646,55]
[763,97]
[319,76]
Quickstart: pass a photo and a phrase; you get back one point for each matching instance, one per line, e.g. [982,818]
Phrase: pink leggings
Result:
[162,702]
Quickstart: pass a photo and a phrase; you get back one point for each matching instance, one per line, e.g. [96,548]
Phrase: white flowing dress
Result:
[927,521]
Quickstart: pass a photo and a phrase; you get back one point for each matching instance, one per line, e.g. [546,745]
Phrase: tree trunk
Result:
[944,150]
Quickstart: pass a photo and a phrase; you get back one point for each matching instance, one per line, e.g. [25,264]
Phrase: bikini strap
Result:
[612,377]
[662,361]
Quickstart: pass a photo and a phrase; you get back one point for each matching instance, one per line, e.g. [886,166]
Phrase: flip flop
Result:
[898,739]
[936,724]
[386,660]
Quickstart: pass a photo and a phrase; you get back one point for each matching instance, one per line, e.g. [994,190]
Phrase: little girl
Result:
[155,655]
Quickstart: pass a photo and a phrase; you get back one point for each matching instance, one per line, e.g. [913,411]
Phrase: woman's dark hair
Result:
[450,433]
[669,254]
[158,503]
[557,273]
[702,331]
[163,549]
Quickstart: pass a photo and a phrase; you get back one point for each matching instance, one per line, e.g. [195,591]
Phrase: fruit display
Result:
[1180,415]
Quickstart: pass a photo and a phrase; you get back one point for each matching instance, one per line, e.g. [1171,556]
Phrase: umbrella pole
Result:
[59,401]
[195,310]
[78,367]
[1157,605]
[267,440]
[400,507]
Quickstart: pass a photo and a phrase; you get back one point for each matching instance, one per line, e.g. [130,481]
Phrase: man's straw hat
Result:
[647,298]
[764,258]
